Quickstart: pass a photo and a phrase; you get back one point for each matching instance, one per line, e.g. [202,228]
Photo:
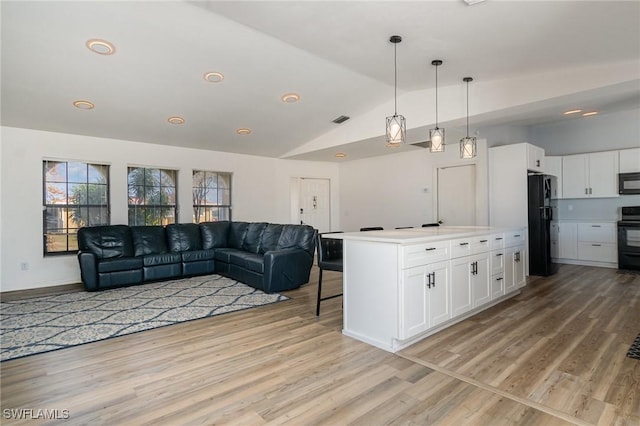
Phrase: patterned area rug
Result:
[49,323]
[634,350]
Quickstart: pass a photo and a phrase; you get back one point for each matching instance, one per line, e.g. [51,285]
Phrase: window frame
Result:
[206,205]
[67,206]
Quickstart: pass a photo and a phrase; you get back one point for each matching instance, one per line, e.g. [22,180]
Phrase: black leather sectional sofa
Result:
[269,257]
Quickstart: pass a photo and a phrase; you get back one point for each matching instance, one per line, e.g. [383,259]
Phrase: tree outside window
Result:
[211,196]
[152,196]
[75,194]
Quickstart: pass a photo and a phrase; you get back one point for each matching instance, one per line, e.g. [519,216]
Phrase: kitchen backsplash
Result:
[594,208]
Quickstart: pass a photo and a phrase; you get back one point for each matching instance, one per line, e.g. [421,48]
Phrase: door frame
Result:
[436,195]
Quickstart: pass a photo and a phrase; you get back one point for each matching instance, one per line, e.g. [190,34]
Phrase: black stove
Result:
[629,239]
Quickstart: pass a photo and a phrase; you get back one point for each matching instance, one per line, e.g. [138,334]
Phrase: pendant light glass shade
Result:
[468,144]
[396,130]
[396,127]
[436,136]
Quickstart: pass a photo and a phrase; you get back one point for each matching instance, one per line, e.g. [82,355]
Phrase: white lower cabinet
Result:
[514,268]
[470,285]
[424,298]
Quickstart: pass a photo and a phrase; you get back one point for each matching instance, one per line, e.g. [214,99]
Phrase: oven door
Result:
[629,245]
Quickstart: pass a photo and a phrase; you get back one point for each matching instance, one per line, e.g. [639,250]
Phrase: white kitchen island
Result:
[403,285]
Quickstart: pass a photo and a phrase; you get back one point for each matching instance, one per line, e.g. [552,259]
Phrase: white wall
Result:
[261,188]
[389,191]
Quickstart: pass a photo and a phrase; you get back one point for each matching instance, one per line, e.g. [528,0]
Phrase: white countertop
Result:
[418,235]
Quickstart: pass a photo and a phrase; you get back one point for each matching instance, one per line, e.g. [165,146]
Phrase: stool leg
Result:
[319,293]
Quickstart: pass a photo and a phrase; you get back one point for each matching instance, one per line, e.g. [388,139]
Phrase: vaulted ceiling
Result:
[529,59]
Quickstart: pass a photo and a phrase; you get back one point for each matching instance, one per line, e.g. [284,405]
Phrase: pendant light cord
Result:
[395,79]
[436,96]
[467,109]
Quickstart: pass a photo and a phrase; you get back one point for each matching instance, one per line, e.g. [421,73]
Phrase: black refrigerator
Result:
[540,188]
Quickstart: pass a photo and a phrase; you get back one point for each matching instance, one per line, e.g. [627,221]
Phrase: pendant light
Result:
[436,136]
[468,144]
[396,126]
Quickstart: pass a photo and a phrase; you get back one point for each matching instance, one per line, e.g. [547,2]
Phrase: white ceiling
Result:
[336,55]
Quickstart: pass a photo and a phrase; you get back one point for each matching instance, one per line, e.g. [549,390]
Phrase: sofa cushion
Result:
[223,254]
[106,241]
[183,237]
[119,264]
[160,259]
[198,255]
[297,236]
[214,234]
[252,238]
[270,238]
[237,231]
[148,240]
[251,261]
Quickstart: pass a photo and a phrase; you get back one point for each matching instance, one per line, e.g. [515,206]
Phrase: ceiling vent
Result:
[341,119]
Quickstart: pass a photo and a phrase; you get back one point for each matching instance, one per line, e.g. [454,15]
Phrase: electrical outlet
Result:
[24,266]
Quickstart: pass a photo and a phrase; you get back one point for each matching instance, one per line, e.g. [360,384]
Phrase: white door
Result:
[315,208]
[457,195]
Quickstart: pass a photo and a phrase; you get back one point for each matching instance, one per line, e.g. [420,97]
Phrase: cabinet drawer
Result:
[598,252]
[460,247]
[423,254]
[497,261]
[468,246]
[514,238]
[496,241]
[597,232]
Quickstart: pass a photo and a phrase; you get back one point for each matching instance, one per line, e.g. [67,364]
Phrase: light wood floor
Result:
[553,355]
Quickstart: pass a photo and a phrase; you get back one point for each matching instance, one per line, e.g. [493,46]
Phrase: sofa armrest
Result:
[89,270]
[286,269]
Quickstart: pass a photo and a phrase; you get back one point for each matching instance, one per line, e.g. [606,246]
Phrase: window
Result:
[152,196]
[211,196]
[75,194]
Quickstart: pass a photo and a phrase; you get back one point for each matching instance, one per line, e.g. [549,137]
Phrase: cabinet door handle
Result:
[586,191]
[430,248]
[590,190]
[483,241]
[595,226]
[433,275]
[517,256]
[428,276]
[498,238]
[596,245]
[516,236]
[499,279]
[499,254]
[537,163]
[464,244]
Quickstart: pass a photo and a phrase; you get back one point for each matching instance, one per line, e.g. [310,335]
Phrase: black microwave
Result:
[629,183]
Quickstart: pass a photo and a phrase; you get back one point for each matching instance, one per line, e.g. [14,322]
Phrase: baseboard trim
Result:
[8,296]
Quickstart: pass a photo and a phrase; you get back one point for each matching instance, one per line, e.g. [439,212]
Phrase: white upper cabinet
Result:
[535,158]
[629,160]
[590,175]
[553,167]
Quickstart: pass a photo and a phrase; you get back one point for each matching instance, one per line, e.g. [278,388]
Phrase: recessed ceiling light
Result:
[83,104]
[340,154]
[101,47]
[587,114]
[243,131]
[290,98]
[214,77]
[573,111]
[175,120]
